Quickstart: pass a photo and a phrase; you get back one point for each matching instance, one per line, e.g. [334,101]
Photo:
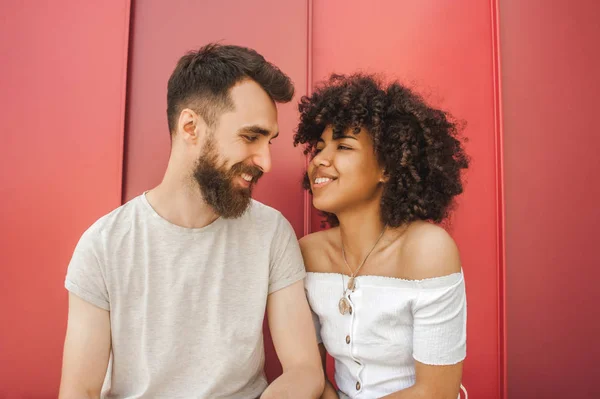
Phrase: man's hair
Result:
[202,79]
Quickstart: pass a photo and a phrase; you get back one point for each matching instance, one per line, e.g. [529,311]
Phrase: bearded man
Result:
[167,293]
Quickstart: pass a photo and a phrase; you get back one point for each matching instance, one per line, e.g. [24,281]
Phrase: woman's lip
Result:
[323,184]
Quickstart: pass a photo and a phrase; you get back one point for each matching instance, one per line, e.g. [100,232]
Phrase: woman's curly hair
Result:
[418,146]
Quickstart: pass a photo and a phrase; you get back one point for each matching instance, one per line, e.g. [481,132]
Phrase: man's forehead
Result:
[249,92]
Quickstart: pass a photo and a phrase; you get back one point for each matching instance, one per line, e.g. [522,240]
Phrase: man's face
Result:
[237,153]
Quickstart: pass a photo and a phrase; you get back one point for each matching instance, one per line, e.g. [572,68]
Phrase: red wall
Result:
[276,29]
[550,82]
[62,88]
[62,96]
[445,50]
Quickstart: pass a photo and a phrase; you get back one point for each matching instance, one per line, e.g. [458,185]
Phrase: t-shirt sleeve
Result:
[440,325]
[286,265]
[85,274]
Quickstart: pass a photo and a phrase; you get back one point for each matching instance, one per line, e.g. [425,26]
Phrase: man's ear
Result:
[191,126]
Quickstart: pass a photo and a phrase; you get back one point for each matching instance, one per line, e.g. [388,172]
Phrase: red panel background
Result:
[445,50]
[276,29]
[62,91]
[550,65]
[62,95]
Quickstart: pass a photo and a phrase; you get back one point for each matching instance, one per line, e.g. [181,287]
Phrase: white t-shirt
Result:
[186,305]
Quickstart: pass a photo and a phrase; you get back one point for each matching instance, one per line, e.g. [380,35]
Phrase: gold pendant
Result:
[351,284]
[344,306]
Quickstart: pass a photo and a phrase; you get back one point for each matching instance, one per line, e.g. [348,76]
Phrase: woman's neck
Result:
[360,228]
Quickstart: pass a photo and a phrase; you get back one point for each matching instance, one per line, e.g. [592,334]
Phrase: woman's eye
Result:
[343,147]
[317,150]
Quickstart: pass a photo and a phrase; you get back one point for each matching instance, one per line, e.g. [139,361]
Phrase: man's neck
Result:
[179,200]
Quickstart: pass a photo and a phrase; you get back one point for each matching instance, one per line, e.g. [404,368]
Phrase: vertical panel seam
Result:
[123,110]
[500,200]
[309,83]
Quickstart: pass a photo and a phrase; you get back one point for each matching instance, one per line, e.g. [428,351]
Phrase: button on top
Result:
[347,339]
[358,386]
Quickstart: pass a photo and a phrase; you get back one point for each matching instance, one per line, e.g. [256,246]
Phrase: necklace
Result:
[344,304]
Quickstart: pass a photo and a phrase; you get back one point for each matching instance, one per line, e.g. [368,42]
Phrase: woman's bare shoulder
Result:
[429,251]
[316,250]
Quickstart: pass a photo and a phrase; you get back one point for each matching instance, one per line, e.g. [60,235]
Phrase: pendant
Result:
[351,284]
[344,306]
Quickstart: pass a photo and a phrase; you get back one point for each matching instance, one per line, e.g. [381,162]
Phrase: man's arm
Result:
[311,253]
[86,351]
[295,342]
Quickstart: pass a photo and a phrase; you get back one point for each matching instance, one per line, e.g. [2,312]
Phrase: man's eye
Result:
[250,139]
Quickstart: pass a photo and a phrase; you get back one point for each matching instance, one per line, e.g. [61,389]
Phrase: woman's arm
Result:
[439,315]
[433,382]
[329,392]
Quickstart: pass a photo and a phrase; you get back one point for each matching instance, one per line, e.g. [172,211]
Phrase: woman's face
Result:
[344,174]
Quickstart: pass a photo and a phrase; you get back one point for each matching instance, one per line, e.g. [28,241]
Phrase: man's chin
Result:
[246,191]
[237,207]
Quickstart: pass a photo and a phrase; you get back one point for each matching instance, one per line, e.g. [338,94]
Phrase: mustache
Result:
[240,168]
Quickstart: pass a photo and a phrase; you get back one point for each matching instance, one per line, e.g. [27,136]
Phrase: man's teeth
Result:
[246,177]
[320,180]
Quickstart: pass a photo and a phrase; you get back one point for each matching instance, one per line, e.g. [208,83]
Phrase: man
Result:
[174,284]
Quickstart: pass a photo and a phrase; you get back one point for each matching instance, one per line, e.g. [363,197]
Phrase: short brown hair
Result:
[202,80]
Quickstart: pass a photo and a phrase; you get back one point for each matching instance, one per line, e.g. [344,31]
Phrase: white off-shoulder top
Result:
[393,321]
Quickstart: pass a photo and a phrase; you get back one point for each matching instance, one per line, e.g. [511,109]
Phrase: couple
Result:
[169,291]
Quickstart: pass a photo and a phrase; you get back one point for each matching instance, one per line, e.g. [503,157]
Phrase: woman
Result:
[384,282]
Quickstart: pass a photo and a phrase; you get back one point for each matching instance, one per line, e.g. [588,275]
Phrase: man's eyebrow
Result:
[258,130]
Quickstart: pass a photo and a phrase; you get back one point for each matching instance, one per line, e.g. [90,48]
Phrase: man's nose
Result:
[262,159]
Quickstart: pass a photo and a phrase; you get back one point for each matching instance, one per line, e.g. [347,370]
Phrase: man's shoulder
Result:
[263,214]
[117,219]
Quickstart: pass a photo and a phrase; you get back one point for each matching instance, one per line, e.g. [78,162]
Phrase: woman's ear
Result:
[385,177]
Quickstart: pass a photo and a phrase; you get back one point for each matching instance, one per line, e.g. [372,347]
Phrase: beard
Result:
[217,185]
